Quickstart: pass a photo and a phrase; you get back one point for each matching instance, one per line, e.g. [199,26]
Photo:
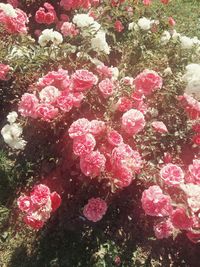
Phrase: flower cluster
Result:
[38,206]
[57,93]
[114,157]
[176,217]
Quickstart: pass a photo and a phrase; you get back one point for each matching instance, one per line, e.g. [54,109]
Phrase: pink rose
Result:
[193,237]
[133,121]
[83,80]
[65,102]
[92,164]
[4,69]
[95,209]
[69,29]
[84,144]
[106,88]
[46,112]
[194,172]
[172,174]
[147,82]
[124,104]
[97,127]
[40,195]
[114,138]
[32,222]
[181,220]
[24,203]
[163,229]
[159,127]
[104,71]
[79,127]
[49,94]
[155,203]
[28,105]
[190,105]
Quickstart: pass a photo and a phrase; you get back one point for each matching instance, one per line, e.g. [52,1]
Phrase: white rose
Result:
[144,24]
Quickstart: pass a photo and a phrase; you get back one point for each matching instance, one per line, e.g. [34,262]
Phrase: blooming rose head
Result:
[27,105]
[155,203]
[84,144]
[92,164]
[40,195]
[147,82]
[79,127]
[163,229]
[133,121]
[118,26]
[46,112]
[83,80]
[124,104]
[114,138]
[97,127]
[106,88]
[49,94]
[172,174]
[24,203]
[181,220]
[95,209]
[194,172]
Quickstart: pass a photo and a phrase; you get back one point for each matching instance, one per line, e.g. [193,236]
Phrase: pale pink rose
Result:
[65,102]
[106,88]
[147,82]
[155,203]
[95,209]
[24,203]
[40,195]
[92,164]
[114,138]
[55,201]
[133,121]
[46,112]
[192,192]
[163,229]
[172,174]
[181,220]
[79,127]
[28,105]
[159,127]
[104,71]
[84,144]
[83,80]
[4,69]
[97,127]
[190,105]
[125,163]
[194,172]
[49,94]
[32,222]
[69,29]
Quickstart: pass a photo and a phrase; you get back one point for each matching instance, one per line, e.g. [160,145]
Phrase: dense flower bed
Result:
[123,90]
